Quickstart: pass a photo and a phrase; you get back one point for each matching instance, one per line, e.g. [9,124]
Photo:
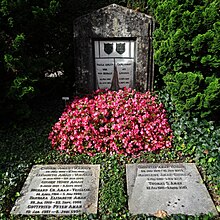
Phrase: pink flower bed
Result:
[123,122]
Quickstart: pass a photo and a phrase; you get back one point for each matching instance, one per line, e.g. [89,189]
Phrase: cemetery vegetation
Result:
[36,40]
[26,144]
[122,122]
[186,50]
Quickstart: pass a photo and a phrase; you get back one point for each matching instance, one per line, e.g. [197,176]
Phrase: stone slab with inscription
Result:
[176,188]
[59,190]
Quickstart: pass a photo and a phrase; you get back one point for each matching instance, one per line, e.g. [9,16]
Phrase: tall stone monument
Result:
[113,49]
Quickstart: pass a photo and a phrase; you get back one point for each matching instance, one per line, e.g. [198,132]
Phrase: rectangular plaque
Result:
[114,63]
[125,68]
[104,72]
[59,190]
[176,188]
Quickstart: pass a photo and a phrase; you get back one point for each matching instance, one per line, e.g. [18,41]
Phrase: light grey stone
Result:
[59,190]
[176,188]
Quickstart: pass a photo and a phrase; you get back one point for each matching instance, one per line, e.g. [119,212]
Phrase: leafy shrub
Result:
[199,140]
[124,122]
[188,93]
[186,46]
[195,140]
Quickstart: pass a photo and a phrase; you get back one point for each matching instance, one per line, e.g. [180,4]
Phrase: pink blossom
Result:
[122,122]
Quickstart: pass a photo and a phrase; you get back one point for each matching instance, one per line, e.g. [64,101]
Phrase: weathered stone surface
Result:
[175,188]
[59,190]
[113,23]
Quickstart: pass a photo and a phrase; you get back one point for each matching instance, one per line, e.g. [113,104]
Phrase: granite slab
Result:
[59,190]
[176,188]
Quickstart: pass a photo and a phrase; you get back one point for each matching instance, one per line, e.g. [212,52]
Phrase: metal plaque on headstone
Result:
[114,59]
[125,69]
[175,188]
[105,71]
[59,190]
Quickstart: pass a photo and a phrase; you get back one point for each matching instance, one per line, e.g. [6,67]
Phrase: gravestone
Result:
[113,49]
[175,188]
[59,190]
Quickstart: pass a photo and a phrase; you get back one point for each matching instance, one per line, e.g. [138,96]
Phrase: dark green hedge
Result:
[187,48]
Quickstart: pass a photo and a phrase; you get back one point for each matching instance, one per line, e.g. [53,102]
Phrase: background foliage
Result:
[36,39]
[187,48]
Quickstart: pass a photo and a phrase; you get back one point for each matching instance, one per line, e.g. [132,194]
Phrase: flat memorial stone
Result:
[59,190]
[176,188]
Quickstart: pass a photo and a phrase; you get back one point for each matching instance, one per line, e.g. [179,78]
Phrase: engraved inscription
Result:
[176,188]
[125,72]
[60,190]
[163,177]
[105,70]
[114,59]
